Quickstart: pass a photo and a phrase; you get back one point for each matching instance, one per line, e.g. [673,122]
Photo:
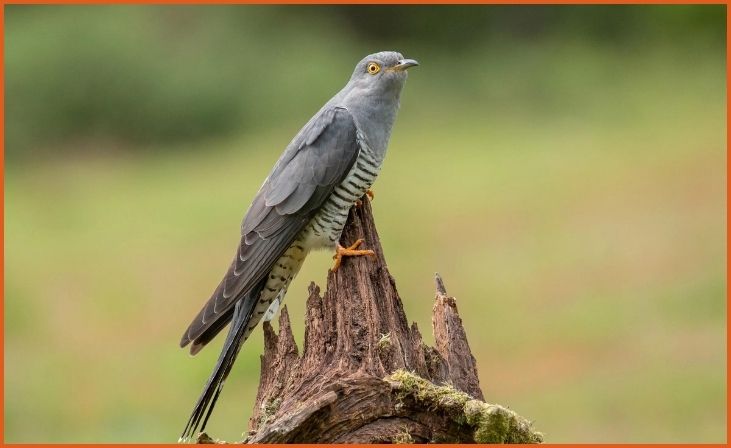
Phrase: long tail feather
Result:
[206,402]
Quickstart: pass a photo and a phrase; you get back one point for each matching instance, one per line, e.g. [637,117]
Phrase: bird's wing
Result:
[316,161]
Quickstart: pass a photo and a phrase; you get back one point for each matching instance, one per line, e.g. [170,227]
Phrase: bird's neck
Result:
[374,117]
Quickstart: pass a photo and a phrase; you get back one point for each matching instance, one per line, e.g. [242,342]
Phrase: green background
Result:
[563,168]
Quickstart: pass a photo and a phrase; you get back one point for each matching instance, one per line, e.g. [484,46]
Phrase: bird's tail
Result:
[214,385]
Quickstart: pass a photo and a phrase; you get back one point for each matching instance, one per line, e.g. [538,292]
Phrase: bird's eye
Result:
[373,68]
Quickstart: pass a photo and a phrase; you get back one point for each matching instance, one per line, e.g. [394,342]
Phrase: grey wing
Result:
[316,161]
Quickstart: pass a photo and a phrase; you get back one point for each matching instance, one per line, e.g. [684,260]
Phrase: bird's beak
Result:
[404,64]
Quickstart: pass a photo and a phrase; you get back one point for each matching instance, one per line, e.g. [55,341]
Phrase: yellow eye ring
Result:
[373,68]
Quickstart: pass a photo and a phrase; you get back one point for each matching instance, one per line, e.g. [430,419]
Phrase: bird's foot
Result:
[369,193]
[349,251]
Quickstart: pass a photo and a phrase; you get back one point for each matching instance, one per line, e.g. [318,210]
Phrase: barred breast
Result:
[323,231]
[325,228]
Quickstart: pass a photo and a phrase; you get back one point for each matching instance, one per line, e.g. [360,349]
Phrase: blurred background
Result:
[562,167]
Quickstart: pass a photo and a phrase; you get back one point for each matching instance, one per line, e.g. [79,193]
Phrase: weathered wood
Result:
[364,375]
[452,346]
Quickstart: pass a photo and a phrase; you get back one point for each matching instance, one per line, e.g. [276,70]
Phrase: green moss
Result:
[268,409]
[491,423]
[435,397]
[403,437]
[496,424]
[384,343]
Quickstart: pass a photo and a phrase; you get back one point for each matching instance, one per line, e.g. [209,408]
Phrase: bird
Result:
[301,206]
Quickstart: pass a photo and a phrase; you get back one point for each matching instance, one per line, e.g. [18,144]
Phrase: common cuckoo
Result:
[302,205]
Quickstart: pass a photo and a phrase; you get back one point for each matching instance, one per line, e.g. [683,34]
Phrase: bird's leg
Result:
[349,251]
[369,193]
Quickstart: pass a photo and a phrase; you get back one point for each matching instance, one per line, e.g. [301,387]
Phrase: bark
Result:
[365,375]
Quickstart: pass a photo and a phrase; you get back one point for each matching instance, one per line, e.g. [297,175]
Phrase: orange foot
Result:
[350,251]
[369,193]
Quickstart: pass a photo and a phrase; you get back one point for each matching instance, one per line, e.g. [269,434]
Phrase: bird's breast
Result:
[327,225]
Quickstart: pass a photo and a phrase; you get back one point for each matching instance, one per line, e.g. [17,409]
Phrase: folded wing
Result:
[316,162]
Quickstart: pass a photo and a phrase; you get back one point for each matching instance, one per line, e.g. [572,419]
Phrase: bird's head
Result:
[381,72]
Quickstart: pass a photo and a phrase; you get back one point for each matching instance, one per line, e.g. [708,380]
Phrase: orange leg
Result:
[349,251]
[369,193]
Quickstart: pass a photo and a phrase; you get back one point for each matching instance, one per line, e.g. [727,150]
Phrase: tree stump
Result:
[365,376]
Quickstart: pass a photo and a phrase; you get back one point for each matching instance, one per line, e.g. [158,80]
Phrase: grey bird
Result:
[302,205]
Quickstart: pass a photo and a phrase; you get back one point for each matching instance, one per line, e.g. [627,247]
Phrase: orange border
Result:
[2,223]
[355,2]
[728,190]
[364,2]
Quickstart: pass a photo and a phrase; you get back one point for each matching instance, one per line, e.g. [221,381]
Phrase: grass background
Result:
[569,186]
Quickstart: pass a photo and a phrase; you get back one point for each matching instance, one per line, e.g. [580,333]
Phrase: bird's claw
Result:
[350,251]
[369,193]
